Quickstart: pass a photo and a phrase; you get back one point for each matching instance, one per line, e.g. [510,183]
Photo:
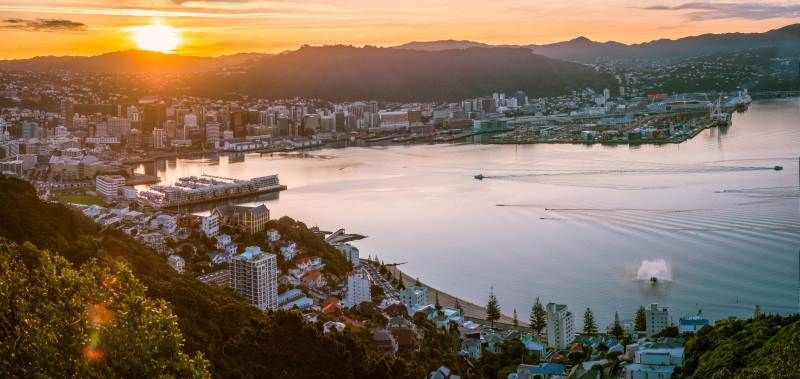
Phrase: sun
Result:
[156,37]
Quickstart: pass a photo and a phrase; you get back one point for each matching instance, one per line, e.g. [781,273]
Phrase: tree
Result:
[438,305]
[538,317]
[86,322]
[640,321]
[616,328]
[516,323]
[459,307]
[589,325]
[492,308]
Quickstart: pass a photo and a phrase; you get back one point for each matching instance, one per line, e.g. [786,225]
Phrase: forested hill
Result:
[237,339]
[350,73]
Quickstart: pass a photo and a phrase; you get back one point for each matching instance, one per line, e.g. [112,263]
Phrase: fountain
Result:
[655,271]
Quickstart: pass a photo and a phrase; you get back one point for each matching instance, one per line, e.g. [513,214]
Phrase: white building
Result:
[654,360]
[273,235]
[560,326]
[350,252]
[176,262]
[357,289]
[289,251]
[657,319]
[210,226]
[254,275]
[414,297]
[108,186]
[692,323]
[225,243]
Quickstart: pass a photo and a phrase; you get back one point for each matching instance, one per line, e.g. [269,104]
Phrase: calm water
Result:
[567,223]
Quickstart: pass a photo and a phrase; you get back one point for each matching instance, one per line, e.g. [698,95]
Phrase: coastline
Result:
[471,310]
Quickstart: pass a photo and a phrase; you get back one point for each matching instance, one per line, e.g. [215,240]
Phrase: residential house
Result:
[314,279]
[540,371]
[289,251]
[176,262]
[385,341]
[273,235]
[655,359]
[692,323]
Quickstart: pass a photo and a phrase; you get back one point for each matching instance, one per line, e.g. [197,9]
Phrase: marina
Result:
[206,188]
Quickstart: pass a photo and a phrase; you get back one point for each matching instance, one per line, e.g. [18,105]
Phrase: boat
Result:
[653,280]
[778,168]
[479,176]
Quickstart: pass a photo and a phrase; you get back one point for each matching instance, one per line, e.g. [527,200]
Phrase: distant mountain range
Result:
[129,61]
[423,71]
[348,73]
[584,49]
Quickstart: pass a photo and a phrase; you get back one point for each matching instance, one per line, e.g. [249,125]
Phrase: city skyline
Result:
[212,28]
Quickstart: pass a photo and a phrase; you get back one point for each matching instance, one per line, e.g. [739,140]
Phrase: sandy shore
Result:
[446,300]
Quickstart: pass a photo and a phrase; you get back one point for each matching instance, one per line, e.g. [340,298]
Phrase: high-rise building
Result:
[169,127]
[283,126]
[159,138]
[254,276]
[212,132]
[29,129]
[101,129]
[67,112]
[656,319]
[358,286]
[118,126]
[560,326]
[522,99]
[190,122]
[154,116]
[341,124]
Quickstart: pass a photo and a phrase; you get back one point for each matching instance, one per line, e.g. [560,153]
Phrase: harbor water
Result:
[583,225]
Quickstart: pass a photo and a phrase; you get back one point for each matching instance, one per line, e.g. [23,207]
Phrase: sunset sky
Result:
[218,27]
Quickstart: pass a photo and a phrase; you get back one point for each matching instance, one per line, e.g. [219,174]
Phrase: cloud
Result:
[42,24]
[750,11]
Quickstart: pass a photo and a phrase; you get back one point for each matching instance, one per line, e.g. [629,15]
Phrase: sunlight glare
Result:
[156,37]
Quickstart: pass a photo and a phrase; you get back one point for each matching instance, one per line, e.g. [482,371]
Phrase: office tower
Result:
[212,132]
[67,112]
[159,138]
[118,126]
